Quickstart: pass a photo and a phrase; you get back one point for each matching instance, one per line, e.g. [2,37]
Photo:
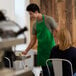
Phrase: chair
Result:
[8,61]
[57,66]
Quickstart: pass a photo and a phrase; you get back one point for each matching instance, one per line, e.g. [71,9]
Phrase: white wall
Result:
[8,7]
[16,10]
[23,19]
[21,15]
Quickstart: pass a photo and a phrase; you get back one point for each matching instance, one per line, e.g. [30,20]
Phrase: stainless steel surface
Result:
[11,42]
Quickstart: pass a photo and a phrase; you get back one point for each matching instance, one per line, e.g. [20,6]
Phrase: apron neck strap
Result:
[43,17]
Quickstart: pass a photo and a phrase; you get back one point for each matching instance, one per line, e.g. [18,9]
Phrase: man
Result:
[43,31]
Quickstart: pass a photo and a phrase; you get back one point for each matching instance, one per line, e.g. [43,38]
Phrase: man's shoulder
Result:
[34,23]
[47,17]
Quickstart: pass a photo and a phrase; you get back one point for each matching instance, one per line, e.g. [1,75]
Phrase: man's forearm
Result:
[30,46]
[33,41]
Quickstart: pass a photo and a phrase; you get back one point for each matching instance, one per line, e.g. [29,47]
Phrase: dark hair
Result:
[2,16]
[33,7]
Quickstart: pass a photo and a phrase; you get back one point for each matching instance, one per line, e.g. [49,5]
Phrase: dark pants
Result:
[45,71]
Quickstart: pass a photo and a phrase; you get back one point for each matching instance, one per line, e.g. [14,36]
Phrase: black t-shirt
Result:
[69,54]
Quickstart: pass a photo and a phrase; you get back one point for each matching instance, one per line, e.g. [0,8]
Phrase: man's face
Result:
[32,14]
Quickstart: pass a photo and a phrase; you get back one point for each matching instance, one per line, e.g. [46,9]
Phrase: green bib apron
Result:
[45,42]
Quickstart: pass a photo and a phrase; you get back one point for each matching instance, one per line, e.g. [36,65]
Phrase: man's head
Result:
[33,9]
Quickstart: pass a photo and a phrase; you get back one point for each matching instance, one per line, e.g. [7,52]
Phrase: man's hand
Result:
[24,52]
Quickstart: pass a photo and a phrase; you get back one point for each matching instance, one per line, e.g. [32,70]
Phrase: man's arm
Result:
[54,27]
[31,44]
[55,35]
[51,23]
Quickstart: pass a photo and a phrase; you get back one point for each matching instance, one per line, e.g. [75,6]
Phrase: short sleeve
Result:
[52,23]
[34,29]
